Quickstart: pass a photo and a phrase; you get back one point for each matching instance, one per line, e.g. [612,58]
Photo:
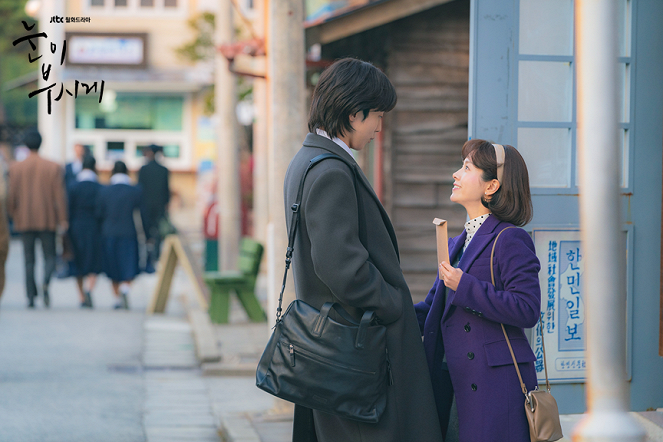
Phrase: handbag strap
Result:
[296,208]
[513,356]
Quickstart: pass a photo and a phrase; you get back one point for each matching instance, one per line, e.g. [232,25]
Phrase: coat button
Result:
[467,327]
[467,309]
[470,356]
[474,387]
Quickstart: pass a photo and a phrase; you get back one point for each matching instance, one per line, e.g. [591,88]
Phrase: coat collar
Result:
[318,141]
[479,242]
[315,140]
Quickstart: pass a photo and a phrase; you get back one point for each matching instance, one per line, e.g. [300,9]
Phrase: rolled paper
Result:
[442,241]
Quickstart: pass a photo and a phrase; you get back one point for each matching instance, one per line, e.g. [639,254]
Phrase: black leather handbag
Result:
[317,362]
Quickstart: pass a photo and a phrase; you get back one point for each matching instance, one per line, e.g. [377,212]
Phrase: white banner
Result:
[562,306]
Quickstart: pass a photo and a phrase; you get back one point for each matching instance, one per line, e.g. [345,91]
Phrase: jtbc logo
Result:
[57,19]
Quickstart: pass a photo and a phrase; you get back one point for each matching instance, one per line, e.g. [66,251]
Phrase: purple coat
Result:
[488,395]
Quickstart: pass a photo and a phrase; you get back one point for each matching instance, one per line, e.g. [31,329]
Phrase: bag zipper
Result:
[291,349]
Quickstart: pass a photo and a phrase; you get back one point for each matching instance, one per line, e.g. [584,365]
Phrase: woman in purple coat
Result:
[468,356]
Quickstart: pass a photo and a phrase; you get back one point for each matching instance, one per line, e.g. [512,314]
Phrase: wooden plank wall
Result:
[428,63]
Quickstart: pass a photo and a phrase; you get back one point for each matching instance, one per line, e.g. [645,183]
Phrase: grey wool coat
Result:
[330,263]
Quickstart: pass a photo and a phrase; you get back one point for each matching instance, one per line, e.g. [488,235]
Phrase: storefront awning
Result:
[152,80]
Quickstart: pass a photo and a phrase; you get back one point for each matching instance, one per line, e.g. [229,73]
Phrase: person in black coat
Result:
[333,262]
[116,205]
[85,229]
[153,178]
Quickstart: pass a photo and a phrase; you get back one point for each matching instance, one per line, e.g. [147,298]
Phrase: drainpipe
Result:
[607,419]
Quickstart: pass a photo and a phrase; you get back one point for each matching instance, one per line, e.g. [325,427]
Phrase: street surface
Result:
[70,374]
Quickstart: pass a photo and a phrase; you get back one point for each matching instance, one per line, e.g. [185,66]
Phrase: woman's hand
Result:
[450,275]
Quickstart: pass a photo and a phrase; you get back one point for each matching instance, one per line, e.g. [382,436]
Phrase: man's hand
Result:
[450,275]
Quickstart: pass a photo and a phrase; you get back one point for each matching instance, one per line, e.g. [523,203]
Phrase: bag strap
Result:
[513,356]
[296,208]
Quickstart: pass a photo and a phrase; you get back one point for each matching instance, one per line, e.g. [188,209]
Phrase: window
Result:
[130,112]
[546,127]
[124,123]
[115,150]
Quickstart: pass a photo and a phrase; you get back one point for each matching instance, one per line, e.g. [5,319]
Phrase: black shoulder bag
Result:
[319,363]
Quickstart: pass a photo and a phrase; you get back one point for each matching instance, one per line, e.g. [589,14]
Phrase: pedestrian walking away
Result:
[85,229]
[468,356]
[115,207]
[37,205]
[331,263]
[153,178]
[71,170]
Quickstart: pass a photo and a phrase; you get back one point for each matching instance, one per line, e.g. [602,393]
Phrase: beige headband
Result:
[499,155]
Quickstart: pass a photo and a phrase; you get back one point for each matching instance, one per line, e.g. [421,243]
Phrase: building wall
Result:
[426,58]
[165,74]
[167,31]
[428,64]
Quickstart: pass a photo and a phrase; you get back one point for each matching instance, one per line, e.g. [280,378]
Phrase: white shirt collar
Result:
[120,178]
[87,175]
[472,226]
[336,140]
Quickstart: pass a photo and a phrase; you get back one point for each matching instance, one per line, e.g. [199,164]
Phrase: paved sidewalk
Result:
[244,412]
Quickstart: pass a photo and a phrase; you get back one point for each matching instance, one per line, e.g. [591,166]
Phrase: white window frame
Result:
[627,127]
[98,138]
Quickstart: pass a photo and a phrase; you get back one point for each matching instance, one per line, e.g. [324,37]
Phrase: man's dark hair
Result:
[119,167]
[346,87]
[89,163]
[32,139]
[155,148]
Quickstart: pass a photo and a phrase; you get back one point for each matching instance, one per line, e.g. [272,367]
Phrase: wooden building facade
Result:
[426,56]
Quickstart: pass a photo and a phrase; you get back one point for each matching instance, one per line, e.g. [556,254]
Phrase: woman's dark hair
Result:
[512,202]
[346,87]
[119,167]
[89,163]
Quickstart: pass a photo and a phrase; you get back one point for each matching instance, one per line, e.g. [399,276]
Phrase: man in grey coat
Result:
[335,259]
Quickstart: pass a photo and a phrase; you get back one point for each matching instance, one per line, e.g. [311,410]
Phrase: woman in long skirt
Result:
[116,205]
[85,229]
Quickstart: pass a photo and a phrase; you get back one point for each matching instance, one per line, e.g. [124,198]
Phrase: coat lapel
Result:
[455,248]
[481,239]
[475,248]
[318,141]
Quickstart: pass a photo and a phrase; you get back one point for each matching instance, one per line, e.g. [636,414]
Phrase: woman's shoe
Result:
[88,300]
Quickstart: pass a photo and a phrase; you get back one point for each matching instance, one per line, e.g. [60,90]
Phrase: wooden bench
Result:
[242,282]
